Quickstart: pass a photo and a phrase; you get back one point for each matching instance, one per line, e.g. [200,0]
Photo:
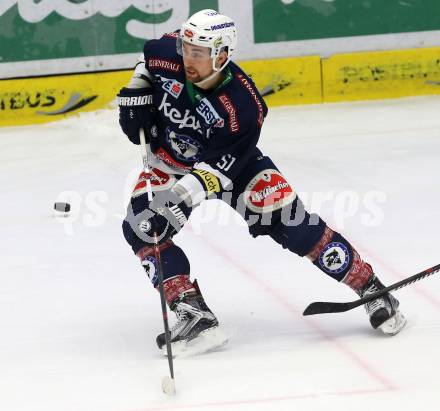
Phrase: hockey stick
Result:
[329,307]
[168,385]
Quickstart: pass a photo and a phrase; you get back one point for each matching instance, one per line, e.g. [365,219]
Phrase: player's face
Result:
[197,61]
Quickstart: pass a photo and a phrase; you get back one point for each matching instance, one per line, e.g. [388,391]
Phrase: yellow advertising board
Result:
[286,81]
[43,99]
[381,74]
[283,81]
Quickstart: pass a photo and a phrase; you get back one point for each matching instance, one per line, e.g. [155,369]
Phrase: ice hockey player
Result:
[203,117]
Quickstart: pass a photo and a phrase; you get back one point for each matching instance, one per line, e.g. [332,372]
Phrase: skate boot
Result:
[383,312]
[196,330]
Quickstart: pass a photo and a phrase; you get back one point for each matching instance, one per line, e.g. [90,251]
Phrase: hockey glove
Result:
[136,111]
[165,216]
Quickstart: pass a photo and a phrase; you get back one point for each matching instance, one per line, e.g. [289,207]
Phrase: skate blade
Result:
[393,325]
[206,341]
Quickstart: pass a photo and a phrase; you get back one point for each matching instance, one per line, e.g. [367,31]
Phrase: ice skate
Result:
[196,330]
[383,312]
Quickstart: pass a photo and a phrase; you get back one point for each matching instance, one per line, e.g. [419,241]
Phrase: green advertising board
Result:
[40,37]
[42,30]
[290,20]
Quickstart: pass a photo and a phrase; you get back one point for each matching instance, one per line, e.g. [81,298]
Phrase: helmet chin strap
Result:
[216,71]
[202,83]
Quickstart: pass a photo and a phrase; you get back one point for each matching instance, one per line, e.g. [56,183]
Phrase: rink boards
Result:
[381,74]
[43,99]
[282,81]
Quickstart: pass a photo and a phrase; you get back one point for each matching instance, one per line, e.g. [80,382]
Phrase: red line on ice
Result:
[249,401]
[356,359]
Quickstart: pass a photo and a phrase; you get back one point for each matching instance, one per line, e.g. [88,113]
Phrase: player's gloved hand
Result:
[165,216]
[136,111]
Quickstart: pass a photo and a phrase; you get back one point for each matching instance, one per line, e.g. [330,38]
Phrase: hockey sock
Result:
[335,256]
[177,287]
[174,261]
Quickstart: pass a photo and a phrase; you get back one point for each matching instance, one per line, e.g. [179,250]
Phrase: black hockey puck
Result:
[62,207]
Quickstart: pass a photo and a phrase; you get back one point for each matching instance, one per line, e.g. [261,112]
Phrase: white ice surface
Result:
[78,318]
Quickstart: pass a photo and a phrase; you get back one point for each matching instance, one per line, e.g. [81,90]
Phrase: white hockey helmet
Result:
[209,28]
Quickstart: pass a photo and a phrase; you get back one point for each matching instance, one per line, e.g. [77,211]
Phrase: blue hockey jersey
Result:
[215,130]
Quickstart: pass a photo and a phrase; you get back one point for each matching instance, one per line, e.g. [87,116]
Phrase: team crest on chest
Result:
[184,147]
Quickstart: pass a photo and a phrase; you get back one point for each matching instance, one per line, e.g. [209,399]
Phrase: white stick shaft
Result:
[168,385]
[145,162]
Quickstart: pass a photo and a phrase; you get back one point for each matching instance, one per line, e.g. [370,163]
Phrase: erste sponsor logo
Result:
[209,114]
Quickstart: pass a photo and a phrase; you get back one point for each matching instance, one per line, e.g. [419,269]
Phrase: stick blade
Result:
[168,386]
[326,308]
